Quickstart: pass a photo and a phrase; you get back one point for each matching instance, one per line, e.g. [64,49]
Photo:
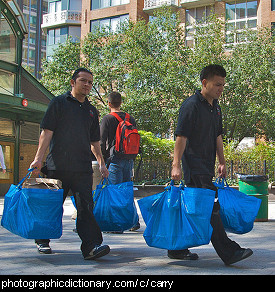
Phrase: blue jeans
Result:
[120,170]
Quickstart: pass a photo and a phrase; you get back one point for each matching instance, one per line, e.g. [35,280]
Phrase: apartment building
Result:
[63,20]
[239,14]
[76,18]
[34,44]
[110,13]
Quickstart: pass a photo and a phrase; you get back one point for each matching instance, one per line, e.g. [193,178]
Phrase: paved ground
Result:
[130,255]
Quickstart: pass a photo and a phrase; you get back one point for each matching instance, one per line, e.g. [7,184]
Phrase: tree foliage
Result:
[57,71]
[155,71]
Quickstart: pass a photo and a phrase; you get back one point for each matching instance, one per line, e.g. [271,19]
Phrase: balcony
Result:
[195,3]
[61,17]
[151,5]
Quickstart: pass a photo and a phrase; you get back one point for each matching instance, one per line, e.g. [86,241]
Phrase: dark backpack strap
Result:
[127,117]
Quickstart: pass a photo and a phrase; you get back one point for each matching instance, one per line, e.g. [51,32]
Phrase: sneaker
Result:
[239,255]
[184,254]
[97,252]
[135,227]
[44,248]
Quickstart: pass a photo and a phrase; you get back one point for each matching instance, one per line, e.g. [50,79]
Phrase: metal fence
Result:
[159,172]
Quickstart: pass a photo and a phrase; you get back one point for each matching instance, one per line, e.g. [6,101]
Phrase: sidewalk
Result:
[130,255]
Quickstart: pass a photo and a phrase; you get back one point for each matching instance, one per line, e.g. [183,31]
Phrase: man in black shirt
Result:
[199,140]
[71,129]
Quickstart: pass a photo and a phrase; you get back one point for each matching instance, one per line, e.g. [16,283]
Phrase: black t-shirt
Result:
[108,128]
[201,123]
[75,125]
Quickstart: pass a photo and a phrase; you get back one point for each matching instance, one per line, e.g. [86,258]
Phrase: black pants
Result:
[80,183]
[224,246]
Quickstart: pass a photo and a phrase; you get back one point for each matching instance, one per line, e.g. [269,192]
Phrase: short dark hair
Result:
[77,71]
[210,71]
[115,99]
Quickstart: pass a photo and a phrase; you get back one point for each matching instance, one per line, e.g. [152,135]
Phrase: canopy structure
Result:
[23,99]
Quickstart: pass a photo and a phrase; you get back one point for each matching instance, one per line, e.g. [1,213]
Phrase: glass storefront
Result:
[7,82]
[7,41]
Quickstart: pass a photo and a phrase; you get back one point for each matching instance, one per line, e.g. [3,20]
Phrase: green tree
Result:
[248,101]
[146,62]
[57,71]
[151,66]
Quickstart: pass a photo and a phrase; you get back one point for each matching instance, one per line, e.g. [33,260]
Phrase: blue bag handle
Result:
[30,170]
[104,182]
[172,183]
[221,182]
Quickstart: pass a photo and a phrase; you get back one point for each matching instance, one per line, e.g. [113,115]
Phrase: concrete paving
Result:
[130,255]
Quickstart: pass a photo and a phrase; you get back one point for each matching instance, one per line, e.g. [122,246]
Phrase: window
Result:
[52,7]
[112,23]
[55,7]
[97,4]
[75,5]
[239,16]
[7,41]
[58,6]
[51,37]
[7,82]
[193,16]
[6,128]
[57,35]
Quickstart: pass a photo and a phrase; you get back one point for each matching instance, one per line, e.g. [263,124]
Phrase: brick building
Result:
[240,13]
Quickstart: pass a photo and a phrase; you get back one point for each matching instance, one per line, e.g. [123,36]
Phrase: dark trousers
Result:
[224,246]
[80,183]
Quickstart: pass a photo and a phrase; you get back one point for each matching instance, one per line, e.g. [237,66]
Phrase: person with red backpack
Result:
[120,141]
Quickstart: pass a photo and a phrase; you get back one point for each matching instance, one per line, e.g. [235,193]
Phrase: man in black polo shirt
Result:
[71,129]
[199,140]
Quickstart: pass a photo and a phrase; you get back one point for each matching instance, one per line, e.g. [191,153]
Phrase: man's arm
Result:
[180,145]
[221,159]
[44,142]
[96,149]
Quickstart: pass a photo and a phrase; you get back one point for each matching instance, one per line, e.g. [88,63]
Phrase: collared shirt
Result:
[201,123]
[75,125]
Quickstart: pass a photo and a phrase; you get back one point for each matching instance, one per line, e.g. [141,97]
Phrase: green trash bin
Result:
[257,186]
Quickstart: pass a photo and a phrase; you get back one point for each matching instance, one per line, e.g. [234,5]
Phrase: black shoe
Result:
[239,255]
[44,248]
[135,227]
[97,252]
[184,254]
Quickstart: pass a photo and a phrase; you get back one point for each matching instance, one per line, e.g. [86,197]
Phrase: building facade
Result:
[23,100]
[62,21]
[239,14]
[76,18]
[34,44]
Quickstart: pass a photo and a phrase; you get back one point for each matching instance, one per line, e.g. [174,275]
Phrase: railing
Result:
[65,16]
[159,172]
[158,3]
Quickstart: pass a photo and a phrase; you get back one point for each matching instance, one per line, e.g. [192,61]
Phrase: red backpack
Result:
[127,138]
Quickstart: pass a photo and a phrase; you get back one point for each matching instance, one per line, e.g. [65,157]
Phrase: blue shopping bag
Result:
[238,210]
[114,207]
[33,213]
[178,218]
